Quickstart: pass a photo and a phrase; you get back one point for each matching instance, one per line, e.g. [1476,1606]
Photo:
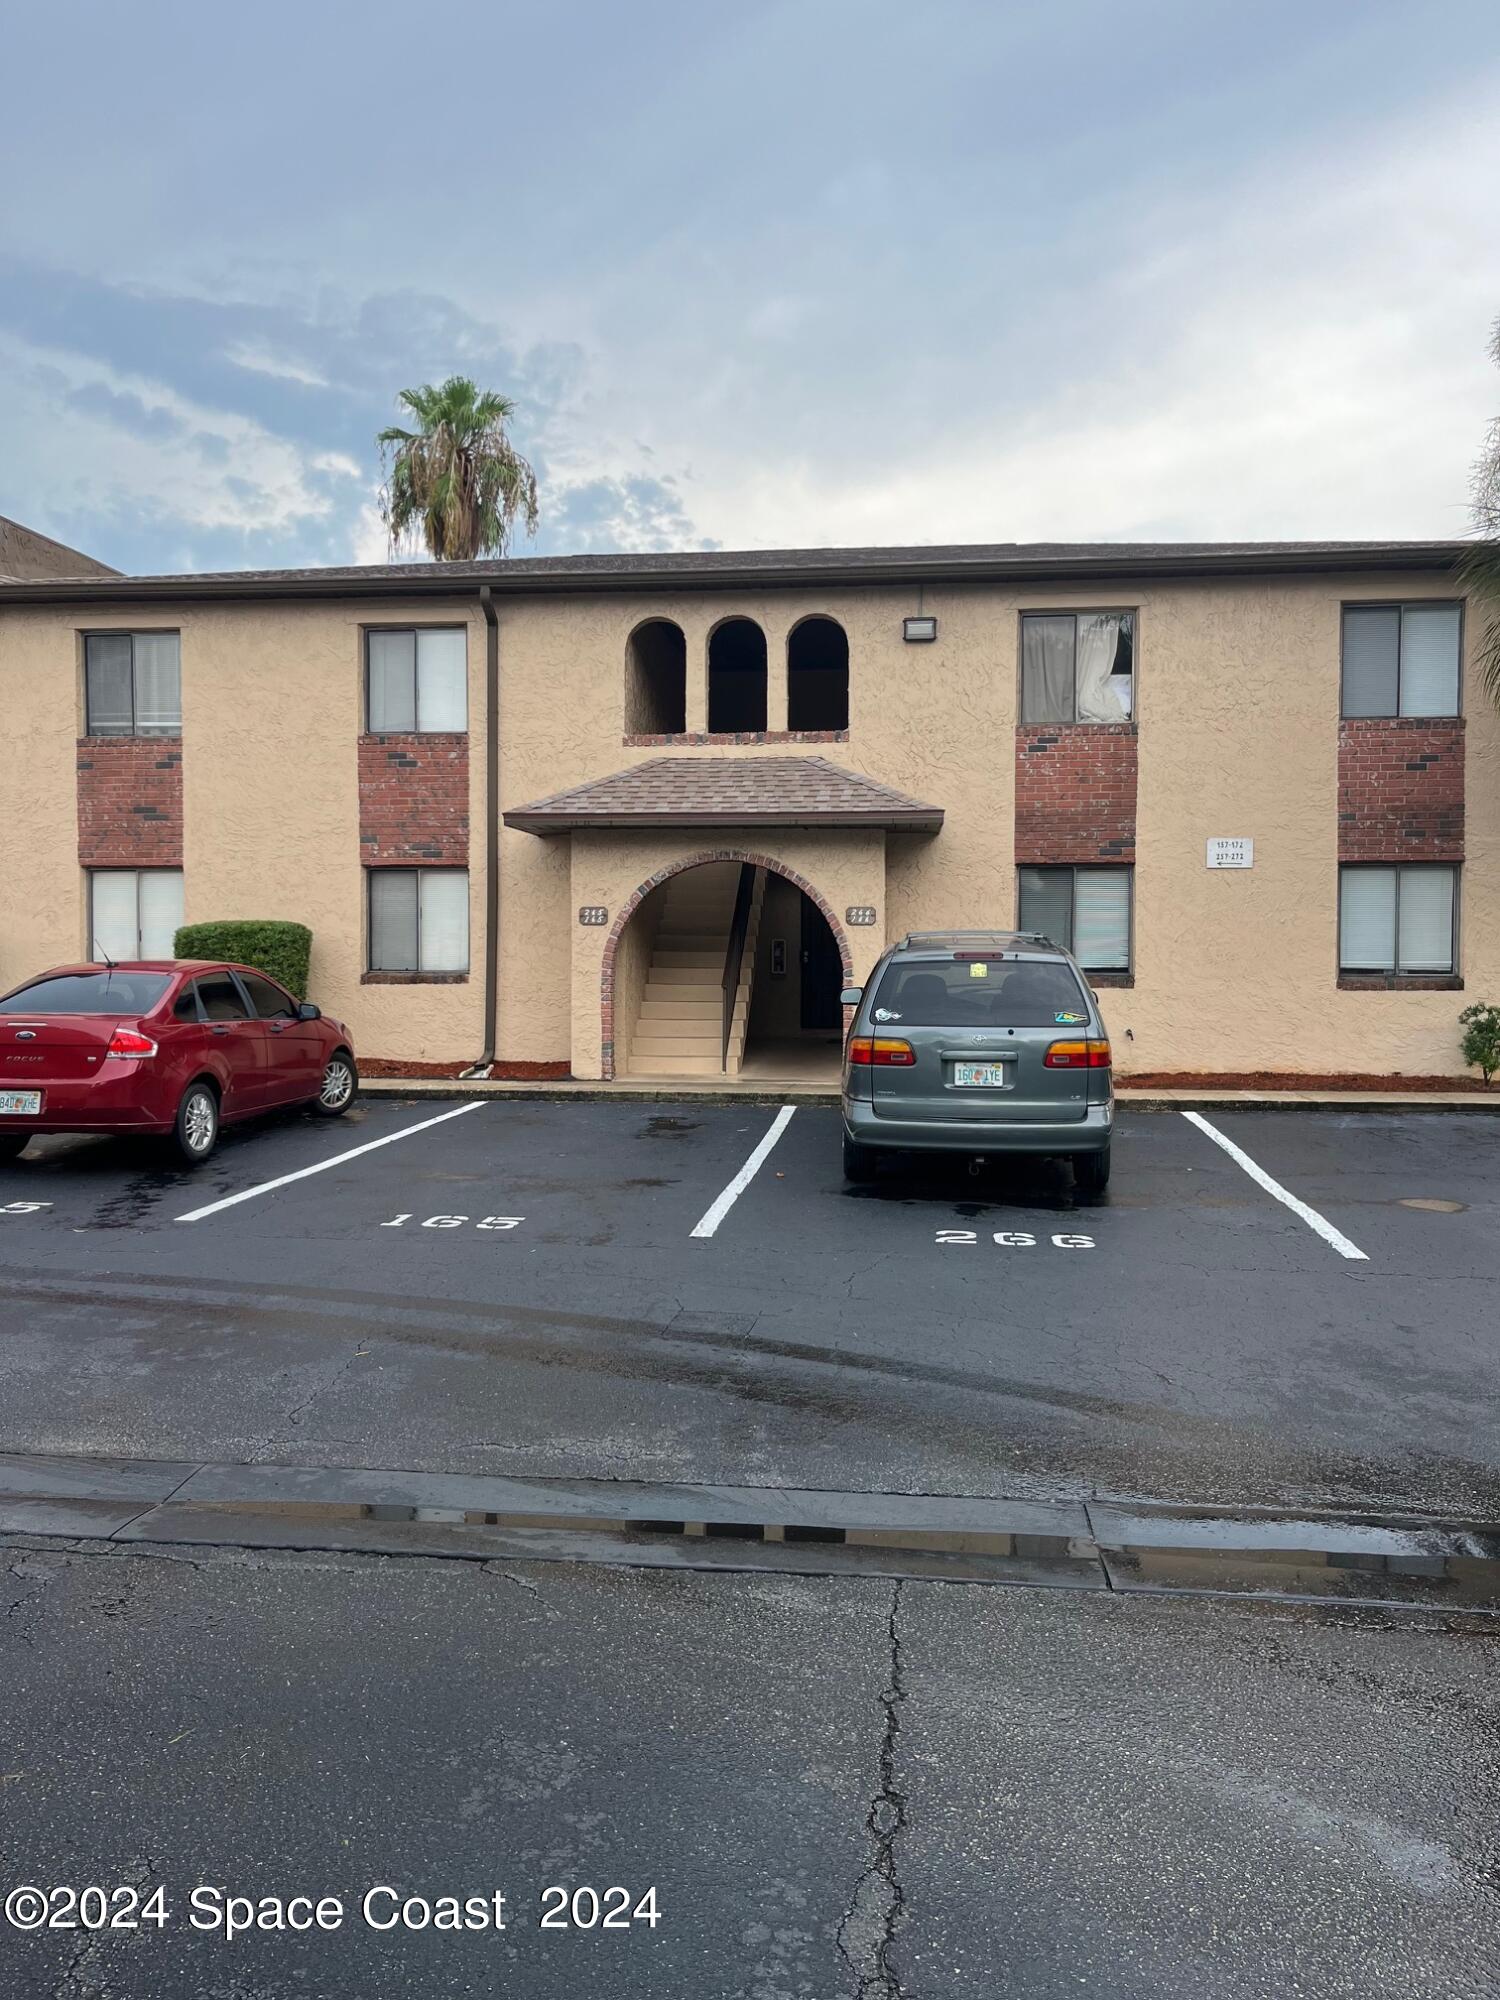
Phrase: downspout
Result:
[486,1060]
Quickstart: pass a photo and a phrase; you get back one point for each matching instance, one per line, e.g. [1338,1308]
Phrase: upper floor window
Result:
[656,680]
[417,680]
[1077,666]
[134,912]
[817,675]
[737,677]
[1400,919]
[1401,659]
[1085,910]
[132,684]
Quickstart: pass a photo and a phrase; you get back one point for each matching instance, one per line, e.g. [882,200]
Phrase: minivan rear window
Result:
[978,993]
[89,993]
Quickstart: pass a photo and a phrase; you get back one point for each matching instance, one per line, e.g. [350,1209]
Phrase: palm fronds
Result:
[1479,572]
[455,484]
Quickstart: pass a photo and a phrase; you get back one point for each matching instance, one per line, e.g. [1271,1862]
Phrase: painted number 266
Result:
[1013,1239]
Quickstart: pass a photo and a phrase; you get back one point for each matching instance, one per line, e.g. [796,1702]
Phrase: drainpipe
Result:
[491,831]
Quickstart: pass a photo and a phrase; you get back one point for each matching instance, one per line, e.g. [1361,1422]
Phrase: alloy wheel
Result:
[199,1122]
[338,1085]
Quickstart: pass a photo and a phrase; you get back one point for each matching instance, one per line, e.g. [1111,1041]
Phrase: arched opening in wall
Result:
[726,968]
[656,680]
[817,675]
[736,677]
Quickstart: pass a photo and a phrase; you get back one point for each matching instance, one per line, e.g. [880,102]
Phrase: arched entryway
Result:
[726,963]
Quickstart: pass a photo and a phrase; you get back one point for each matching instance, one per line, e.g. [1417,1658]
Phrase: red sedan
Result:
[163,1046]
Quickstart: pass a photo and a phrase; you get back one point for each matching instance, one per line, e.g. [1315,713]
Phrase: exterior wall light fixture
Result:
[919,631]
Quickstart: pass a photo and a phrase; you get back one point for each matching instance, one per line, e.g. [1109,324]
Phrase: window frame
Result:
[92,940]
[449,625]
[1401,605]
[418,973]
[1074,868]
[1399,868]
[132,633]
[1075,612]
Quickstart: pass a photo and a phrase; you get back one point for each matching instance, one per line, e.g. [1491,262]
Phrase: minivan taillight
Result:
[1077,1055]
[129,1042]
[880,1052]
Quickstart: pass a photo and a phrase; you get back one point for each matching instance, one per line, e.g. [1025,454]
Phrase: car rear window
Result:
[978,993]
[89,993]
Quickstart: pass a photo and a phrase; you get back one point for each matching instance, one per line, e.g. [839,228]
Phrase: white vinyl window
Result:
[1401,659]
[1399,919]
[1085,910]
[134,912]
[419,919]
[1077,666]
[417,680]
[132,684]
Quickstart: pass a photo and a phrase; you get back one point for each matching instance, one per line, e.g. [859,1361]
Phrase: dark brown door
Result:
[822,970]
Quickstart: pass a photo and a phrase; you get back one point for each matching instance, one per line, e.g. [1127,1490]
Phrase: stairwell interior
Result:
[688,1023]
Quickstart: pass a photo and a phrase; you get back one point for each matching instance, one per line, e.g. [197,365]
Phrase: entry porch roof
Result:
[727,791]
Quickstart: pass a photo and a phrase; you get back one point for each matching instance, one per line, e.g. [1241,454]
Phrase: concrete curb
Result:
[684,1089]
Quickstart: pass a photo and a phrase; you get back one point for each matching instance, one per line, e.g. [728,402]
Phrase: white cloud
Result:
[261,359]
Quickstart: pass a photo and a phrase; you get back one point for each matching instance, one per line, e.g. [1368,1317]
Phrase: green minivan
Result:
[978,1043]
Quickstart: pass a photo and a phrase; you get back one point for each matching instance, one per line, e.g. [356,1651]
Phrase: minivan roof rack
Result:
[939,940]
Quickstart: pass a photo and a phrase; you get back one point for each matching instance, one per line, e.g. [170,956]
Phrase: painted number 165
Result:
[457,1222]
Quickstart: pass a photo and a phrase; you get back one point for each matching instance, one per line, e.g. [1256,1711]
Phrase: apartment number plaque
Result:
[860,916]
[593,913]
[1231,853]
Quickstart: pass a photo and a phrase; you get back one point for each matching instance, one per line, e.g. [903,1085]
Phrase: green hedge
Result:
[282,950]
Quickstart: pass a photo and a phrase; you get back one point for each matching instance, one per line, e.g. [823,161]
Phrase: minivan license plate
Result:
[982,1076]
[20,1103]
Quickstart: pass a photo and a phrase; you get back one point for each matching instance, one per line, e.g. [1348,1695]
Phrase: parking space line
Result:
[322,1166]
[1310,1216]
[710,1220]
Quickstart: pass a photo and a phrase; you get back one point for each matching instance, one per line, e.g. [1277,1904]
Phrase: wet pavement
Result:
[517,1289]
[836,1787]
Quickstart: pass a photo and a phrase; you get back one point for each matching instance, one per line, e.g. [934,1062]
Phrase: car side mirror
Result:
[306,1011]
[851,996]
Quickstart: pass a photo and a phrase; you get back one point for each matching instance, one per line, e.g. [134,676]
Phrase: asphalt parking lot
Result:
[517,1286]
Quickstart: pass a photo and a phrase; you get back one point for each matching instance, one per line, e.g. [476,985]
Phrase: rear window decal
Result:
[1068,1020]
[886,1014]
[978,971]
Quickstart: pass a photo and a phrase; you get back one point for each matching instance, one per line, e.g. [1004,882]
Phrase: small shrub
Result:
[280,950]
[1481,1047]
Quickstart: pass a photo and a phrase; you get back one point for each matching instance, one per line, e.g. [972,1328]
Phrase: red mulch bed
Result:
[500,1072]
[1275,1079]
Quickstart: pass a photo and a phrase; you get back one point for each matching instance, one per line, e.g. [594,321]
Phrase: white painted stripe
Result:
[709,1222]
[285,1180]
[1310,1216]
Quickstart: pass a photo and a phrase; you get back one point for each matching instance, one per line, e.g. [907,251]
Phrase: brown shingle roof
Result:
[27,557]
[727,791]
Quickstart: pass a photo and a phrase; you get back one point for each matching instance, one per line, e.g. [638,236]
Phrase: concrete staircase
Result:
[679,1030]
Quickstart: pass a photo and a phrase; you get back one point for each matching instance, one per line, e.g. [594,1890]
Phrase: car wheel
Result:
[859,1161]
[339,1087]
[13,1144]
[1091,1173]
[196,1131]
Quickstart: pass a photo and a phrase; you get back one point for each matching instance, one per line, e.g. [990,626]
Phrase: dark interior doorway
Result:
[822,971]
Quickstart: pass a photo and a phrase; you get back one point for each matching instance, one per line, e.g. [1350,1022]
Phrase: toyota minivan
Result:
[978,1043]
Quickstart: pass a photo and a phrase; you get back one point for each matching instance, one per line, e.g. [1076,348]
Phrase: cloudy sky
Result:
[776,272]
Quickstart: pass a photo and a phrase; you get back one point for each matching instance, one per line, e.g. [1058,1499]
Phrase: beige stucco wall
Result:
[1237,697]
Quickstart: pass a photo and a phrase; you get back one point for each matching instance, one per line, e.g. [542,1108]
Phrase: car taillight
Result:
[129,1042]
[880,1053]
[1077,1055]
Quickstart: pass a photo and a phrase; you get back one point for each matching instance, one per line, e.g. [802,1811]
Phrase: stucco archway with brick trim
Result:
[679,866]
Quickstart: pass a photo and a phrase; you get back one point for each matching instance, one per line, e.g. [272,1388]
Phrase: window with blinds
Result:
[1398,919]
[134,912]
[419,920]
[1401,659]
[1085,910]
[416,680]
[132,684]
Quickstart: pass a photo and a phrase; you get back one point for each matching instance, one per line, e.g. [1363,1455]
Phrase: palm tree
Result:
[1480,569]
[456,483]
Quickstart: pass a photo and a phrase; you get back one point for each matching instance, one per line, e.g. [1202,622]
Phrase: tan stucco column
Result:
[776,682]
[840,869]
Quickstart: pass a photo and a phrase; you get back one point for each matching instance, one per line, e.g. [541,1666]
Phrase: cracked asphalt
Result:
[837,1787]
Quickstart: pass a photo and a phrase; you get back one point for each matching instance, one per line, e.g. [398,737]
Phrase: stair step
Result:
[699,977]
[646,1048]
[681,1010]
[705,961]
[680,1066]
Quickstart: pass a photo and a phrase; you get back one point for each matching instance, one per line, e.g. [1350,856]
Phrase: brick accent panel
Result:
[130,801]
[1075,792]
[1401,789]
[617,930]
[414,800]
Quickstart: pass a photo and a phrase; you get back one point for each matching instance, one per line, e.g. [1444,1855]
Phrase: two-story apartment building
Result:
[610,815]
